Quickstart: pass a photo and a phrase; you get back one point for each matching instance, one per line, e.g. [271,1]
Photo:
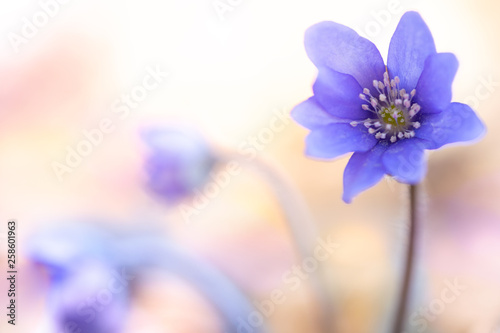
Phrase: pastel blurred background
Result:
[231,71]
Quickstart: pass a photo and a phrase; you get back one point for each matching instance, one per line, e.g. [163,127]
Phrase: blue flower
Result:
[388,115]
[93,299]
[94,271]
[180,161]
[87,293]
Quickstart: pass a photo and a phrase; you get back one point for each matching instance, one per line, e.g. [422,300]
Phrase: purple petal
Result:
[434,85]
[341,49]
[339,94]
[410,46]
[338,139]
[69,297]
[363,171]
[311,115]
[457,123]
[405,160]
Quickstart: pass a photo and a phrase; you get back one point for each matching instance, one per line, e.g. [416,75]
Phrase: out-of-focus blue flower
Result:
[93,269]
[89,290]
[93,299]
[388,115]
[180,161]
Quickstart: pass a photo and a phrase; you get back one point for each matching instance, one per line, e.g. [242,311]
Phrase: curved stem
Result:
[301,228]
[410,258]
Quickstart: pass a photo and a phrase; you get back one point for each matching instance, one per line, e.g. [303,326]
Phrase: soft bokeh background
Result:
[227,75]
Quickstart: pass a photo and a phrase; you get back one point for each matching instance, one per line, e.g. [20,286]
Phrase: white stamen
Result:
[393,109]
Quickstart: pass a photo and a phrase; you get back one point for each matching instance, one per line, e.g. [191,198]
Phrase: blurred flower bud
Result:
[179,162]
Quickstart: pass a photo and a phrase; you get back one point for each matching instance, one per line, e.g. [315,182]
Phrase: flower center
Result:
[393,111]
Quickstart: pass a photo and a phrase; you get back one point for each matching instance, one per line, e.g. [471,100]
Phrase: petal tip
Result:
[412,13]
[347,198]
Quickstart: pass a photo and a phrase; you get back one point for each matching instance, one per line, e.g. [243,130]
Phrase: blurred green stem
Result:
[409,264]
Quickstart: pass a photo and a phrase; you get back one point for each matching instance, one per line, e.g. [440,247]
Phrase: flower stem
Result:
[302,231]
[410,258]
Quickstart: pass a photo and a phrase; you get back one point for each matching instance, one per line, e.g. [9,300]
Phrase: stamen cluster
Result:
[393,111]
